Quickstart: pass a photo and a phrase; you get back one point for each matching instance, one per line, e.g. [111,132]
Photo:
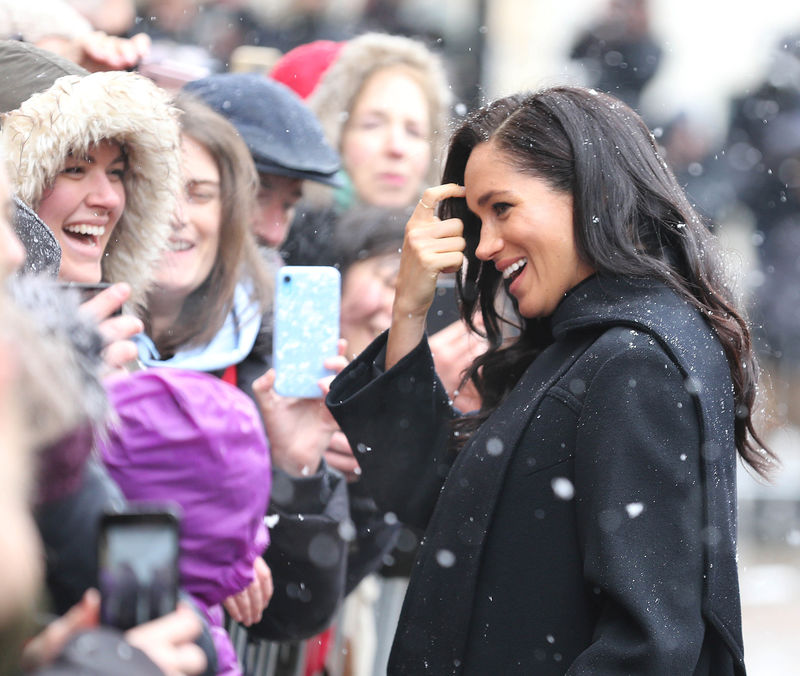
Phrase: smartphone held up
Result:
[137,556]
[306,327]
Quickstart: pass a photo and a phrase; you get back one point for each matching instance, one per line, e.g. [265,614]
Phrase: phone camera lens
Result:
[286,279]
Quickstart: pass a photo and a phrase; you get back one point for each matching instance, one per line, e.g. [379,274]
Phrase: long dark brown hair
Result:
[630,216]
[205,309]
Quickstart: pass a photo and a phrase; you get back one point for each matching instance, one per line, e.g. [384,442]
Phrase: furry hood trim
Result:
[332,100]
[78,112]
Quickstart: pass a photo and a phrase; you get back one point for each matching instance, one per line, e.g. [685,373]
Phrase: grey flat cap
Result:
[283,135]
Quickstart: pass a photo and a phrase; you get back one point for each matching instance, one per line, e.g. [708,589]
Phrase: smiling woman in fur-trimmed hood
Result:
[97,158]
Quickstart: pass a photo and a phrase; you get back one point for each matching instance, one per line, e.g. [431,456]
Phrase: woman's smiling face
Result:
[195,229]
[82,208]
[526,231]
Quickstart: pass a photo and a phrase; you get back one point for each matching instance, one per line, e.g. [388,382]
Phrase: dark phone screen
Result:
[444,309]
[138,568]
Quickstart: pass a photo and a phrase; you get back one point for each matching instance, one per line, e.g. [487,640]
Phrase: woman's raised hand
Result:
[299,430]
[115,330]
[431,246]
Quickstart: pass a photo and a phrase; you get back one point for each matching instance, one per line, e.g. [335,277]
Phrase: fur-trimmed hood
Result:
[333,98]
[78,112]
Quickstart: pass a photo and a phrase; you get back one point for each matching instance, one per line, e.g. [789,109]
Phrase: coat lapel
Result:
[653,308]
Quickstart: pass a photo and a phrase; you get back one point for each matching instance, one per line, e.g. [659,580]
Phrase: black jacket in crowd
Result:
[588,527]
[313,565]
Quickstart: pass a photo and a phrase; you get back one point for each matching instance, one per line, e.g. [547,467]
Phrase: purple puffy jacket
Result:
[190,438]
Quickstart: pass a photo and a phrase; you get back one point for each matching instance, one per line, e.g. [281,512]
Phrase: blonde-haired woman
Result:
[384,104]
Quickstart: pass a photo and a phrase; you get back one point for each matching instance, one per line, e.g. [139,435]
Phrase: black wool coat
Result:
[588,527]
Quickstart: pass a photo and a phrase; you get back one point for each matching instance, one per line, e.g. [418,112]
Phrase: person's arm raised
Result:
[298,430]
[431,246]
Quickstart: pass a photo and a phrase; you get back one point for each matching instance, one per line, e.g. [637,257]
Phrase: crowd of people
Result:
[540,478]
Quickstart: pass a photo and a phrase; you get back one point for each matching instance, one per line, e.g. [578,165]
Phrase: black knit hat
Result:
[283,135]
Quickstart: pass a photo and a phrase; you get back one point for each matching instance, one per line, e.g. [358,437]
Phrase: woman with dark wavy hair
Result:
[584,520]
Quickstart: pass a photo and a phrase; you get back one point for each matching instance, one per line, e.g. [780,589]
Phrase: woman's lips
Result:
[513,280]
[180,245]
[85,229]
[84,240]
[394,180]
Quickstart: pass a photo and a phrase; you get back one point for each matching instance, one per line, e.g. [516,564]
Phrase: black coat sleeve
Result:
[398,423]
[307,554]
[374,535]
[639,501]
[69,528]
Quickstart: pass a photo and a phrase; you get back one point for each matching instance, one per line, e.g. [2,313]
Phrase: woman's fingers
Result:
[430,199]
[431,246]
[168,641]
[339,455]
[262,386]
[46,645]
[335,364]
[107,302]
[115,329]
[248,605]
[119,328]
[231,605]
[264,577]
[117,355]
[119,350]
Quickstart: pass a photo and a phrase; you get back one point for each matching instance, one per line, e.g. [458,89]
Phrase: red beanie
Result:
[302,68]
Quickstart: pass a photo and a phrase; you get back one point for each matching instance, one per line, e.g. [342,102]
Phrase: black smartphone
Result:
[137,554]
[87,291]
[444,309]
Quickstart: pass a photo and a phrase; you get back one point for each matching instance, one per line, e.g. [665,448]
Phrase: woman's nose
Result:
[489,244]
[178,221]
[106,193]
[396,140]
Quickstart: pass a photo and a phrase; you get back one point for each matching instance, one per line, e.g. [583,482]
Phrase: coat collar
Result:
[603,300]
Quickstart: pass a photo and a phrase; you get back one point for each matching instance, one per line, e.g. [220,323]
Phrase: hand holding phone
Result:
[103,302]
[107,305]
[306,328]
[299,429]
